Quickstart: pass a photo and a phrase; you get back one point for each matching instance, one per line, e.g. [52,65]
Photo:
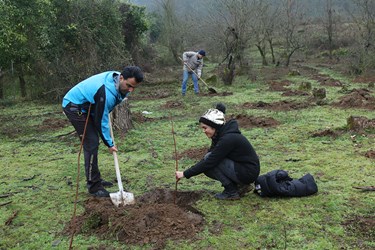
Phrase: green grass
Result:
[45,202]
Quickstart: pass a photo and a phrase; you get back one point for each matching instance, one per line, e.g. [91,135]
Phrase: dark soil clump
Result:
[173,104]
[156,217]
[217,94]
[140,118]
[195,153]
[370,154]
[358,98]
[295,93]
[255,122]
[146,95]
[276,106]
[53,124]
[328,132]
[279,86]
[361,225]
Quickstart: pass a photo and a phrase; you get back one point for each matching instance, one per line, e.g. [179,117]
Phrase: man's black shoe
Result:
[100,193]
[225,195]
[106,183]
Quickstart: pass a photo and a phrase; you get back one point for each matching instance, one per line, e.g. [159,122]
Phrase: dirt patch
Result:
[153,219]
[279,86]
[276,106]
[255,122]
[150,95]
[53,124]
[328,132]
[364,79]
[360,123]
[217,94]
[140,118]
[358,98]
[294,93]
[370,154]
[173,104]
[194,153]
[362,226]
[327,81]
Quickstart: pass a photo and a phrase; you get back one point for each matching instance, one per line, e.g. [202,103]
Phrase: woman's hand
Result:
[179,175]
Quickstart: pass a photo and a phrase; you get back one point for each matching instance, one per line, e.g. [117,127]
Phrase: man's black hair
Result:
[133,71]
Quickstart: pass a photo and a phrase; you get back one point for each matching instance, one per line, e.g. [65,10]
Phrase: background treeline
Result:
[46,46]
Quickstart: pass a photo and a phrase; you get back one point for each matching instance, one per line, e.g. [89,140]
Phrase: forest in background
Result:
[47,46]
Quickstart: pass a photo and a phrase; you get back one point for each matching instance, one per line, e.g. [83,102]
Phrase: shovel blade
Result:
[122,198]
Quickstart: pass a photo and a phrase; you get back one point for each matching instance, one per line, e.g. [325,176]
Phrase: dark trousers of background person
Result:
[90,145]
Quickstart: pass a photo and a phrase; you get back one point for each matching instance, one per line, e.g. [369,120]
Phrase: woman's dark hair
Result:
[133,71]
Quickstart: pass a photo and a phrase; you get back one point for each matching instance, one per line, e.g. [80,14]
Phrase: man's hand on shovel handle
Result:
[112,149]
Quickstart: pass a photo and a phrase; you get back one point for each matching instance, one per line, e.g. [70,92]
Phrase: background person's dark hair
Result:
[133,71]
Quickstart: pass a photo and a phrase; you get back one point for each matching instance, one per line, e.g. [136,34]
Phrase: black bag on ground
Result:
[278,183]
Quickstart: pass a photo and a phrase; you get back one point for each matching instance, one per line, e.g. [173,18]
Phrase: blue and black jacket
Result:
[102,92]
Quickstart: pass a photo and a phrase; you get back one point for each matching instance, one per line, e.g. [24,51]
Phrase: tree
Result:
[365,23]
[22,25]
[134,25]
[263,27]
[290,29]
[172,30]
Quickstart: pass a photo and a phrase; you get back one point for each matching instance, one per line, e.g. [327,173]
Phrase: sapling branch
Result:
[175,156]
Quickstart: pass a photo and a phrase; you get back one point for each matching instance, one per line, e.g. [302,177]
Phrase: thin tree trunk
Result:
[272,52]
[21,77]
[1,84]
[121,117]
[263,54]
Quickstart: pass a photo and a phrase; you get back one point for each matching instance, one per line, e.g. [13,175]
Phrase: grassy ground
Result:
[38,170]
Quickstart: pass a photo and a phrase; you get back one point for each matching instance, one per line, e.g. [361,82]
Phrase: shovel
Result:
[211,90]
[120,198]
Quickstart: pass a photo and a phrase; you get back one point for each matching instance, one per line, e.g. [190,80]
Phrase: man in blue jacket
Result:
[103,92]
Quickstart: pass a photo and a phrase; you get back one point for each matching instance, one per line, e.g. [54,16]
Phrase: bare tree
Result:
[329,26]
[364,20]
[291,29]
[230,33]
[1,84]
[172,30]
[263,27]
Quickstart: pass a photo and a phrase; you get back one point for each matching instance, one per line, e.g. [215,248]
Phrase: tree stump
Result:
[305,86]
[121,117]
[358,123]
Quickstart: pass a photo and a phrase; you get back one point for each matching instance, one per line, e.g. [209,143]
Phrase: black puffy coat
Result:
[278,183]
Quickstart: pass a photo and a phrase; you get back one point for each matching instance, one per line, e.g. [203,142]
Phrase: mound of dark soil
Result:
[194,153]
[150,95]
[327,81]
[276,106]
[156,217]
[360,123]
[255,122]
[217,94]
[140,118]
[173,104]
[279,86]
[365,79]
[370,154]
[358,98]
[328,132]
[295,93]
[361,225]
[53,124]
